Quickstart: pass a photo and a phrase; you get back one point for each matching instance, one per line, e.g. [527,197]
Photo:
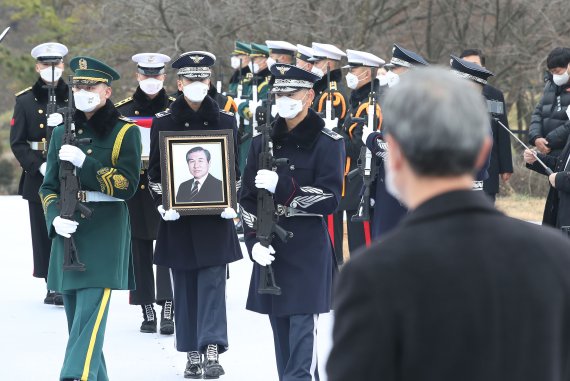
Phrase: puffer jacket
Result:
[549,119]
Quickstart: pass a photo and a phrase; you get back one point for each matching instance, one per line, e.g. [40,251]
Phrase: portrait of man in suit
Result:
[203,186]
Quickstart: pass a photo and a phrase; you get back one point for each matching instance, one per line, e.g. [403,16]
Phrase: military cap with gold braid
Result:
[258,50]
[241,48]
[88,71]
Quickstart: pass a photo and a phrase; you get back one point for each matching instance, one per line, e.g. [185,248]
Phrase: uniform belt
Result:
[292,212]
[37,146]
[477,185]
[92,196]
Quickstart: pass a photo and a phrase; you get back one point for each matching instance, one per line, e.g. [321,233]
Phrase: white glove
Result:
[228,214]
[54,119]
[266,179]
[366,131]
[262,255]
[64,227]
[42,168]
[168,215]
[330,124]
[72,154]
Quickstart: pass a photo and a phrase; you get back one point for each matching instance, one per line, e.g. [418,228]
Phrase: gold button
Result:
[79,132]
[142,186]
[137,112]
[41,111]
[43,139]
[82,215]
[142,171]
[41,125]
[89,151]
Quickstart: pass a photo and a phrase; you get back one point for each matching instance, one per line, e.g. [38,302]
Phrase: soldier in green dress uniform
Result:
[108,170]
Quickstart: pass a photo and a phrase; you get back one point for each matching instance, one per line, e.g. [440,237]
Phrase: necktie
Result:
[194,190]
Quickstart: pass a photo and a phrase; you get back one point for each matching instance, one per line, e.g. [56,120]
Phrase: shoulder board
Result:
[333,85]
[162,113]
[227,112]
[331,134]
[23,91]
[126,100]
[171,98]
[125,119]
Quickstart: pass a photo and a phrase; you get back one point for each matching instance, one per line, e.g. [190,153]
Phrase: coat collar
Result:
[240,74]
[103,121]
[208,111]
[155,105]
[306,132]
[321,84]
[41,92]
[454,202]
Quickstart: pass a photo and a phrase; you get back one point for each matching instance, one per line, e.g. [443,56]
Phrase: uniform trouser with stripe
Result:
[144,276]
[200,313]
[295,339]
[86,310]
[355,232]
[41,244]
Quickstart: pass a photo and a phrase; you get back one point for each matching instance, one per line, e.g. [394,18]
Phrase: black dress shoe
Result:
[49,297]
[57,299]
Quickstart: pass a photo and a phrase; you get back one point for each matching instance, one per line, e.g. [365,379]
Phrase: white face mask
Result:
[289,108]
[46,74]
[196,91]
[351,81]
[235,62]
[392,78]
[560,79]
[86,101]
[390,182]
[253,67]
[317,71]
[270,62]
[151,86]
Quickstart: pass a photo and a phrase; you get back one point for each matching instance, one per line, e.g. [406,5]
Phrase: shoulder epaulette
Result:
[162,113]
[227,112]
[128,120]
[126,100]
[23,91]
[171,98]
[331,134]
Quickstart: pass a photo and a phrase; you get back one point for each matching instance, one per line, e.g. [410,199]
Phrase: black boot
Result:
[193,365]
[49,297]
[212,367]
[57,299]
[166,321]
[149,323]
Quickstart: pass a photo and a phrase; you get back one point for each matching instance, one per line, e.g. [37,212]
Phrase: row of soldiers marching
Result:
[309,155]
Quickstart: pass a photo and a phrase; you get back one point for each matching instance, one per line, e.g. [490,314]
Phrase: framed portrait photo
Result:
[198,171]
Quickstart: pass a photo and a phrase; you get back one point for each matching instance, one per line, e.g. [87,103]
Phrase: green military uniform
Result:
[240,75]
[110,170]
[259,81]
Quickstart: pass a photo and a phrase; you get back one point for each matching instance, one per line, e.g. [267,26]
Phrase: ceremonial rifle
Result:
[4,33]
[266,225]
[51,105]
[70,188]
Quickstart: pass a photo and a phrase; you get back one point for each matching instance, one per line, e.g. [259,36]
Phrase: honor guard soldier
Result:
[501,164]
[29,137]
[259,84]
[303,57]
[239,61]
[478,76]
[361,80]
[326,64]
[196,248]
[148,99]
[107,166]
[387,211]
[303,191]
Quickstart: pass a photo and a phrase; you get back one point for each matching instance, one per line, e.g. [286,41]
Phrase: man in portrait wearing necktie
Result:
[203,187]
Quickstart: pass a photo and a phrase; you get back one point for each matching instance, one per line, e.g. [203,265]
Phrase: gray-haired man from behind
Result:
[459,291]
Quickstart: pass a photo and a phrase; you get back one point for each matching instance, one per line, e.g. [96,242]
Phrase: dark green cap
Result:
[90,70]
[258,50]
[241,48]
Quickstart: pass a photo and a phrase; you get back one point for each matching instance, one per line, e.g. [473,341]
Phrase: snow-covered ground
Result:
[33,335]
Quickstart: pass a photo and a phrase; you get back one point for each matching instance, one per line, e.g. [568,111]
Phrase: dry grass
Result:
[522,207]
